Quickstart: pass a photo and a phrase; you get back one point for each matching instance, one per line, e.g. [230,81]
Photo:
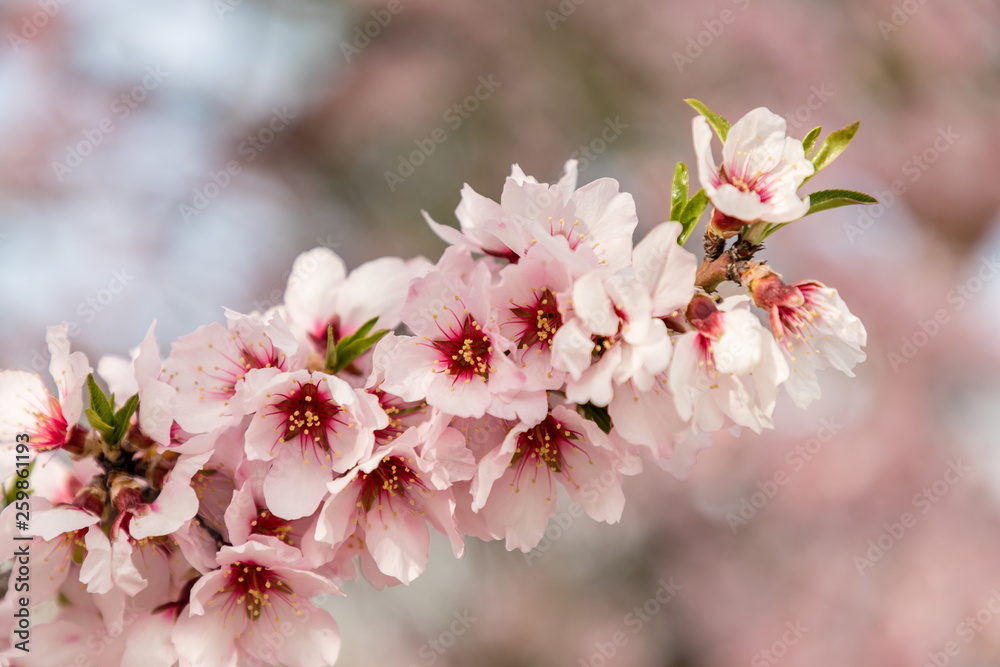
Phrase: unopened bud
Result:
[126,491]
[76,441]
[768,290]
[93,497]
[724,225]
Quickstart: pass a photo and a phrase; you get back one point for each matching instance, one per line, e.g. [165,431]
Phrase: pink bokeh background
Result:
[120,239]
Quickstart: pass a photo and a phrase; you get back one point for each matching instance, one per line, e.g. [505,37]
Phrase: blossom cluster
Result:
[266,460]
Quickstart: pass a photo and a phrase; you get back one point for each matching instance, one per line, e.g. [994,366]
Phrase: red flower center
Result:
[536,321]
[544,445]
[268,524]
[392,480]
[249,591]
[465,352]
[309,414]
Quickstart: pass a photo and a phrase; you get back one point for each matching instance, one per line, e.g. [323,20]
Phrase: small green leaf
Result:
[833,146]
[824,200]
[809,142]
[331,350]
[827,199]
[99,402]
[10,494]
[691,214]
[365,328]
[123,419]
[349,349]
[718,123]
[679,192]
[598,415]
[107,430]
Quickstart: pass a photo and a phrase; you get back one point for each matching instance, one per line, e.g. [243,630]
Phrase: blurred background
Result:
[160,160]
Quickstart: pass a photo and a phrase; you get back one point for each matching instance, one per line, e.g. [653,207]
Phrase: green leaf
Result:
[331,350]
[718,123]
[833,146]
[827,199]
[99,402]
[10,494]
[107,430]
[824,200]
[123,419]
[809,142]
[691,214]
[350,348]
[679,192]
[365,328]
[598,415]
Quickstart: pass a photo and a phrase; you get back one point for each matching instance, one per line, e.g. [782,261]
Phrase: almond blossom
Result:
[267,460]
[27,406]
[457,358]
[728,366]
[516,485]
[389,500]
[815,328]
[760,172]
[309,426]
[236,611]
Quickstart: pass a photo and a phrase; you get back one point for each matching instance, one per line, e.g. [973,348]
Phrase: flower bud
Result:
[94,496]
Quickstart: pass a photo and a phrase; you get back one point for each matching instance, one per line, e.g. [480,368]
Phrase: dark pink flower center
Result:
[268,524]
[402,414]
[740,178]
[543,445]
[309,414]
[249,591]
[50,427]
[465,352]
[230,370]
[392,480]
[536,321]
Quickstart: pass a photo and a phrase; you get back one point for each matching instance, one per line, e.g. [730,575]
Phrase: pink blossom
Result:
[729,366]
[26,406]
[761,169]
[595,221]
[388,500]
[208,366]
[309,426]
[320,294]
[815,329]
[515,487]
[252,605]
[456,360]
